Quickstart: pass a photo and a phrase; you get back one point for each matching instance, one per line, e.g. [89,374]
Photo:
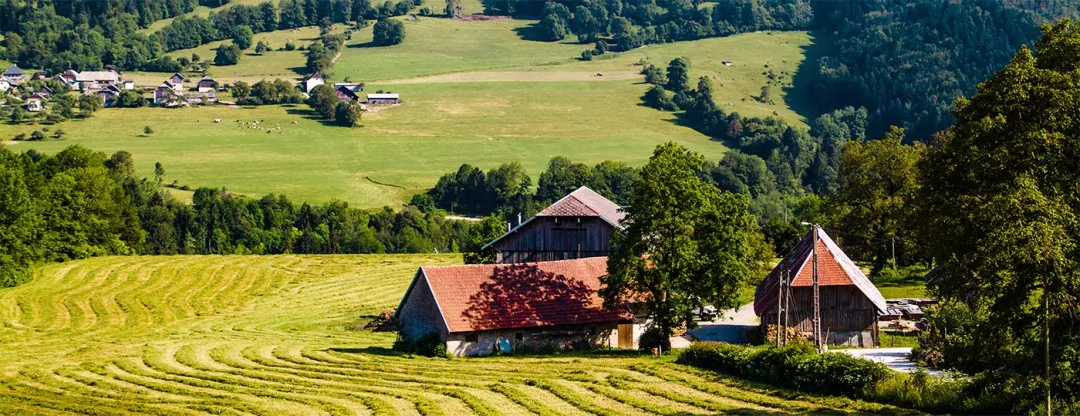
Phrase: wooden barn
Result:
[849,302]
[479,309]
[578,226]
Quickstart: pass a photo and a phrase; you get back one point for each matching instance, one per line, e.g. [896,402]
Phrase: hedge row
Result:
[797,366]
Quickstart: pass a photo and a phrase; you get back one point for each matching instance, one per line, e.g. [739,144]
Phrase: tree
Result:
[262,48]
[88,104]
[486,231]
[687,244]
[1001,218]
[240,90]
[347,114]
[323,100]
[875,200]
[388,32]
[227,55]
[678,75]
[159,173]
[18,115]
[147,130]
[242,37]
[766,95]
[553,28]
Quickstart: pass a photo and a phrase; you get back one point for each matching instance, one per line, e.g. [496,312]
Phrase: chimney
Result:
[519,218]
[508,226]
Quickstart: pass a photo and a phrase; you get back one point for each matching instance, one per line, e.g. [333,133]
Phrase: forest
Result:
[80,203]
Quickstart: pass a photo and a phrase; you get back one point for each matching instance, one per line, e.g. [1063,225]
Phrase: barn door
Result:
[626,336]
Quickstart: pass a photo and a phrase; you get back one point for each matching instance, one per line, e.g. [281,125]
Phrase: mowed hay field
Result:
[473,92]
[281,335]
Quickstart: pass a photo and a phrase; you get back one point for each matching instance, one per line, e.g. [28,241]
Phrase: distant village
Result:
[175,91]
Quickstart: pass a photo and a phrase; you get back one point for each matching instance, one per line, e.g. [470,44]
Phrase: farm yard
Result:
[283,335]
[456,78]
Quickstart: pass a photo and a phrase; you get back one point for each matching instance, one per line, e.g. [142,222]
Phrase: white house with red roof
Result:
[849,301]
[579,225]
[480,309]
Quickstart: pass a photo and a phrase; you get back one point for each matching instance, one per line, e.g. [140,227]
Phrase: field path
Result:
[250,335]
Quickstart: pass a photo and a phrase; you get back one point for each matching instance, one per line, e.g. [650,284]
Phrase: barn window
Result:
[519,336]
[471,337]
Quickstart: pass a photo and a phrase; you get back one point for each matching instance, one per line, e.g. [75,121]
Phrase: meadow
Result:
[283,335]
[473,92]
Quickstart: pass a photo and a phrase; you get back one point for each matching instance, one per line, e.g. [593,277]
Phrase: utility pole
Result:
[779,304]
[787,305]
[817,300]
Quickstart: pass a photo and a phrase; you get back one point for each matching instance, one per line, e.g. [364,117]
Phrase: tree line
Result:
[92,35]
[80,203]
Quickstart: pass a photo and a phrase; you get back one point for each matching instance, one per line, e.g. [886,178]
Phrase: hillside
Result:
[474,92]
[280,335]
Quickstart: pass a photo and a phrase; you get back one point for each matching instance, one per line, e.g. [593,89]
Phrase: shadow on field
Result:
[362,45]
[532,33]
[309,114]
[381,351]
[800,96]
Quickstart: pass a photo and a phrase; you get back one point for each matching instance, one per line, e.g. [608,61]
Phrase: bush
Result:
[430,345]
[796,366]
[586,55]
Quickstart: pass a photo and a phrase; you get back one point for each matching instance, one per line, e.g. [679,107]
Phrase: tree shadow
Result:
[381,351]
[531,32]
[522,295]
[800,96]
[309,114]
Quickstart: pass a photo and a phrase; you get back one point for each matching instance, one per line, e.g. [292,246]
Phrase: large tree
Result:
[324,101]
[1002,206]
[875,199]
[686,243]
[388,32]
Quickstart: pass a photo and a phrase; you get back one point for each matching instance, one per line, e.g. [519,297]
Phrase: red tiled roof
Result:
[482,297]
[834,269]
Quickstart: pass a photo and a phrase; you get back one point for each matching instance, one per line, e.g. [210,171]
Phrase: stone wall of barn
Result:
[576,337]
[419,314]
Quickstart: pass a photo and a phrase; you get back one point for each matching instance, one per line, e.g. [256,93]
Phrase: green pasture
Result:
[240,335]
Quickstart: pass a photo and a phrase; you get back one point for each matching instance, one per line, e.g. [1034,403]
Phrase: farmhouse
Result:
[35,103]
[108,95]
[849,302]
[578,226]
[165,93]
[68,77]
[207,84]
[91,81]
[13,73]
[45,91]
[5,85]
[383,99]
[346,94]
[177,82]
[313,81]
[478,309]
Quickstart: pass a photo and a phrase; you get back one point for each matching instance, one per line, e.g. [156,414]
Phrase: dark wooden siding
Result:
[844,309]
[420,314]
[556,238]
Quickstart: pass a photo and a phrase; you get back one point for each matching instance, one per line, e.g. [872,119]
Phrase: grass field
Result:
[473,92]
[279,335]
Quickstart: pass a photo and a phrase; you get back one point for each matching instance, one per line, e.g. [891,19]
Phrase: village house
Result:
[68,77]
[383,99]
[177,82]
[165,94]
[346,94]
[109,95]
[478,309]
[849,302]
[13,74]
[35,103]
[313,81]
[92,81]
[577,226]
[39,76]
[5,85]
[207,84]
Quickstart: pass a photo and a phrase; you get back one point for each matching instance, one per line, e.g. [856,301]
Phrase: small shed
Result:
[345,93]
[577,226]
[129,84]
[849,302]
[383,99]
[478,309]
[207,84]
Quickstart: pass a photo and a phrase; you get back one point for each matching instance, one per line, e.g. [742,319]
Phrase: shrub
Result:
[429,345]
[796,366]
[586,55]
